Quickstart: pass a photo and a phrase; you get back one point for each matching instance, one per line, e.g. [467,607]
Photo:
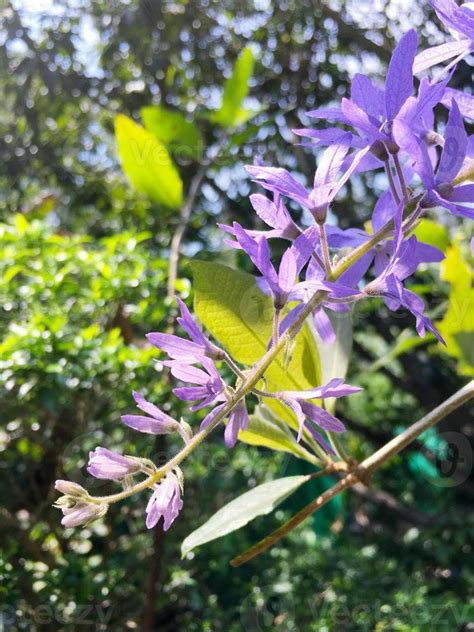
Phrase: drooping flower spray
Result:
[389,128]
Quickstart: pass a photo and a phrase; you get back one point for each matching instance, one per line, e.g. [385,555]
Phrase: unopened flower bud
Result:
[106,464]
[70,488]
[186,430]
[82,513]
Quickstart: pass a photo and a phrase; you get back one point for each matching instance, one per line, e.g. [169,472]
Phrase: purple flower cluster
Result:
[389,128]
[206,388]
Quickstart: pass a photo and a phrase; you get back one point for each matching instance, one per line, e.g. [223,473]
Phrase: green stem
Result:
[276,327]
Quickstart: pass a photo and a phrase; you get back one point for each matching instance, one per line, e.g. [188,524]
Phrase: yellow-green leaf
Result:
[265,430]
[147,163]
[171,128]
[457,326]
[239,316]
[432,233]
[236,87]
[21,224]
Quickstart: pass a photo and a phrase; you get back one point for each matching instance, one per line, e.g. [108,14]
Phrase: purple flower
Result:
[76,505]
[279,283]
[238,420]
[82,513]
[464,101]
[104,463]
[389,284]
[325,186]
[458,19]
[208,384]
[460,23]
[337,297]
[157,423]
[309,412]
[165,502]
[381,115]
[439,188]
[185,350]
[274,214]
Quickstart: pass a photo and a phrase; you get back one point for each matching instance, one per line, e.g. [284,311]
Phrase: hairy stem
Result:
[276,327]
[232,365]
[364,470]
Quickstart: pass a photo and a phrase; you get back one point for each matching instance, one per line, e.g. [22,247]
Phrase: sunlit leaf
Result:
[432,233]
[239,315]
[170,127]
[231,113]
[265,430]
[457,326]
[147,163]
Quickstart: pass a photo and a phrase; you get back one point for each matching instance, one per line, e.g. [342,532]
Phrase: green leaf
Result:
[21,224]
[147,163]
[231,112]
[238,314]
[457,326]
[432,233]
[170,127]
[265,430]
[257,502]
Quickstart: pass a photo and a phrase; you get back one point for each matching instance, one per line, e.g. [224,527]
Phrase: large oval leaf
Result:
[257,502]
[238,314]
[147,163]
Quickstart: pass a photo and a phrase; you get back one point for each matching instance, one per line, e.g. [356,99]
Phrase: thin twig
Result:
[186,211]
[364,471]
[178,235]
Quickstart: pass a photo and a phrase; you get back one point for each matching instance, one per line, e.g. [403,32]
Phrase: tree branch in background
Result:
[363,471]
[351,33]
